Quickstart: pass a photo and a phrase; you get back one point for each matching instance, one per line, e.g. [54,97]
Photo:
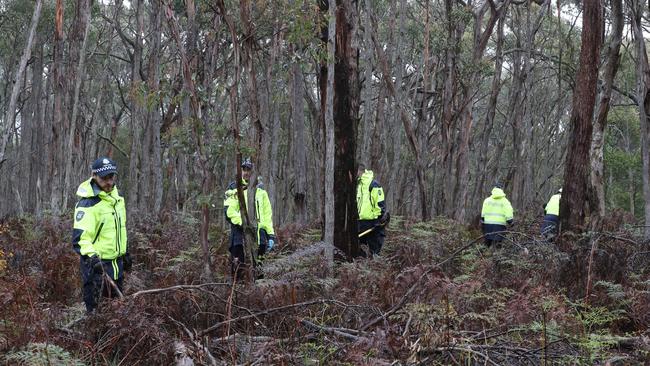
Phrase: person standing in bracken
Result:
[496,215]
[99,234]
[264,218]
[371,206]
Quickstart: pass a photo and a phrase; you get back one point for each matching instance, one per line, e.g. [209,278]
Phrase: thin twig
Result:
[469,350]
[113,285]
[197,344]
[269,311]
[331,330]
[177,287]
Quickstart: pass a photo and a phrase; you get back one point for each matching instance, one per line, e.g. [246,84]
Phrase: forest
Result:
[195,107]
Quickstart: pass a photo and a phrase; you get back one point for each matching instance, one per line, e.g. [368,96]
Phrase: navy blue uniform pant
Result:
[93,282]
[493,233]
[374,239]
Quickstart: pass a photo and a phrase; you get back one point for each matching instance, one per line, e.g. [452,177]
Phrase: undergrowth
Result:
[435,296]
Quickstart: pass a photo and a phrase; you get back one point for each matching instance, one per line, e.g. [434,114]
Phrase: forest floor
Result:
[435,296]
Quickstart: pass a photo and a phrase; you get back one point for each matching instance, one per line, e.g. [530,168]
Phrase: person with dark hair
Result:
[495,215]
[99,234]
[551,216]
[372,211]
[263,216]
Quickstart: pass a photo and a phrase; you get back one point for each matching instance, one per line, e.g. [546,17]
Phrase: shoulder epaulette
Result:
[88,202]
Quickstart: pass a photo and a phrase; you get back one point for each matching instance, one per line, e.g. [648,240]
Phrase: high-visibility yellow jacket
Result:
[553,205]
[263,211]
[370,197]
[99,222]
[497,210]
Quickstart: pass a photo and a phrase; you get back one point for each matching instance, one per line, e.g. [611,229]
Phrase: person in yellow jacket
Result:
[551,216]
[495,215]
[371,208]
[99,233]
[264,217]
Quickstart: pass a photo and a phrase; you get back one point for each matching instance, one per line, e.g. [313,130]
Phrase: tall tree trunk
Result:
[59,119]
[37,141]
[196,116]
[329,35]
[600,122]
[7,130]
[378,136]
[43,199]
[489,120]
[406,121]
[481,37]
[346,117]
[366,129]
[270,116]
[454,31]
[249,45]
[574,205]
[136,188]
[643,97]
[396,68]
[299,145]
[521,106]
[153,118]
[78,40]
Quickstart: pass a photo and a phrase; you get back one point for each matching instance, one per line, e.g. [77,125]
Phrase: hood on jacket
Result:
[497,193]
[89,189]
[366,177]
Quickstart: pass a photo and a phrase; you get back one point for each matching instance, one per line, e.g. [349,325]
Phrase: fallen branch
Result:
[248,338]
[620,238]
[269,311]
[335,331]
[177,287]
[281,264]
[486,357]
[260,339]
[180,347]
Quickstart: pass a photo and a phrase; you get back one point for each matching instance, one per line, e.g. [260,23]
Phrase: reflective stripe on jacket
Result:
[263,211]
[496,208]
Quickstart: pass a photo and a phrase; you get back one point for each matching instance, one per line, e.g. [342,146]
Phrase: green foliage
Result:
[552,328]
[622,160]
[614,290]
[597,346]
[312,235]
[430,321]
[469,264]
[304,21]
[593,318]
[186,256]
[486,304]
[15,19]
[41,354]
[317,353]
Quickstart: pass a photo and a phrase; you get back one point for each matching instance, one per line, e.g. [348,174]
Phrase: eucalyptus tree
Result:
[638,9]
[575,206]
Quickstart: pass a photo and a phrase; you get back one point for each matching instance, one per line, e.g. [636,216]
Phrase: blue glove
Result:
[270,245]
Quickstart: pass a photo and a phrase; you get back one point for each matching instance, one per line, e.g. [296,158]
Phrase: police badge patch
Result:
[80,215]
